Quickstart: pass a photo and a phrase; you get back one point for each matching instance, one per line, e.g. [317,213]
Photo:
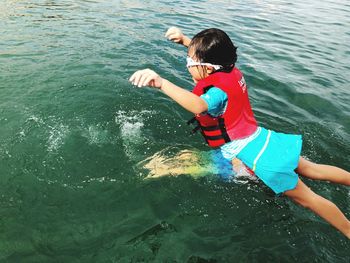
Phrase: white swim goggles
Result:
[191,63]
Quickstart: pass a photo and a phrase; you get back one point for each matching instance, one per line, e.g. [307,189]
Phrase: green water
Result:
[72,130]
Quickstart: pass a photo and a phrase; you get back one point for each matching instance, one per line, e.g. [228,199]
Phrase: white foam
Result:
[96,134]
[57,134]
[131,124]
[131,130]
[35,119]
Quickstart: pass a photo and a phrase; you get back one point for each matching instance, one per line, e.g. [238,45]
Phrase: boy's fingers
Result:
[137,78]
[142,79]
[145,81]
[168,32]
[170,36]
[134,76]
[131,79]
[148,80]
[149,77]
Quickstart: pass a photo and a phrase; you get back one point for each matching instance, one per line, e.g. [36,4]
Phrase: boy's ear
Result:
[209,69]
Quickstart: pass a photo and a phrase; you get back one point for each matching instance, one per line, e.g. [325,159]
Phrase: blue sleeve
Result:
[216,100]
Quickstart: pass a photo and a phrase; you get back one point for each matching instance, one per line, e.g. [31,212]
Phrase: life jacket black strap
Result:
[214,138]
[210,128]
[223,130]
[223,136]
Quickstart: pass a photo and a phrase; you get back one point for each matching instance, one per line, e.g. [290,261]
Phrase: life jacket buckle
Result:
[191,121]
[195,129]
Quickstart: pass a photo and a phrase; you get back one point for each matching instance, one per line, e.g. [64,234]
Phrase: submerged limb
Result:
[187,162]
[304,196]
[240,168]
[184,162]
[236,163]
[323,172]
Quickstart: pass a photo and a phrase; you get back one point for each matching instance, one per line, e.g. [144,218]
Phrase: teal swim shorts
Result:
[274,157]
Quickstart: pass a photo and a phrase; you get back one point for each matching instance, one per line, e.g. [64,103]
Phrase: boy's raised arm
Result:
[175,34]
[184,98]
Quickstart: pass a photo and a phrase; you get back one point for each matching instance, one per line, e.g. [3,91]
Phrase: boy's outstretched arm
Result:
[185,98]
[175,34]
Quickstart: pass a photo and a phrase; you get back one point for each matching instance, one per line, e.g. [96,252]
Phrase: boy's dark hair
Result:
[214,46]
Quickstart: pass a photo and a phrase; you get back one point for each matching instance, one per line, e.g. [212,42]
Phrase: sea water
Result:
[73,131]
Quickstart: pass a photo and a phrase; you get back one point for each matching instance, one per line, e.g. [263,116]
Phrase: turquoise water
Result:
[73,130]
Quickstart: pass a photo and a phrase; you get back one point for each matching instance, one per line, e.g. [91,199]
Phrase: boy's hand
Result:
[175,34]
[146,77]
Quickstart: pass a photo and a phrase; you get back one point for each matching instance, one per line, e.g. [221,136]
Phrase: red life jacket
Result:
[238,121]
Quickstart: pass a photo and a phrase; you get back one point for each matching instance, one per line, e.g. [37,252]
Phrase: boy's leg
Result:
[240,168]
[237,164]
[323,172]
[304,196]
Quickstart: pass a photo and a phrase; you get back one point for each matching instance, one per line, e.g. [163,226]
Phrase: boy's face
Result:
[198,72]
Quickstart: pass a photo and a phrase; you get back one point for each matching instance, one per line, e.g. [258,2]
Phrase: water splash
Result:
[96,134]
[57,134]
[131,125]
